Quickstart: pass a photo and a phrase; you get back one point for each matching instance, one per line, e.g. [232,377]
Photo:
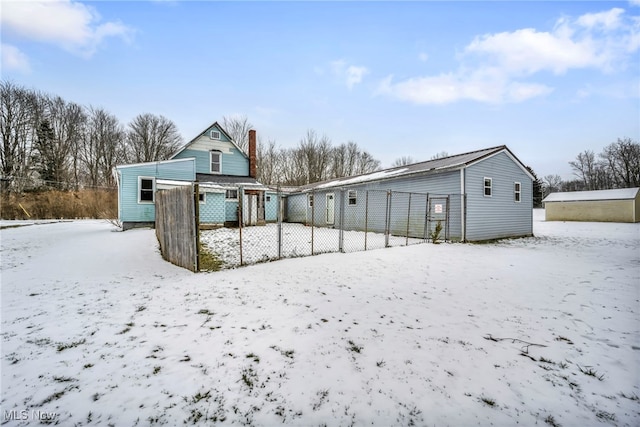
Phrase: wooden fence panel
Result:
[177,225]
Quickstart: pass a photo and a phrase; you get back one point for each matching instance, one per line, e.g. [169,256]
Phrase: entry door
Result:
[250,209]
[331,205]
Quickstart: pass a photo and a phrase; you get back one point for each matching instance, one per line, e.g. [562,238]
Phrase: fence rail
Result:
[338,221]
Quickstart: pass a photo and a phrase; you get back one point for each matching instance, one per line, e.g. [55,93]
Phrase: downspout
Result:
[462,206]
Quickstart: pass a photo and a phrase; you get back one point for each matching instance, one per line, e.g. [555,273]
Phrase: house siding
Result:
[498,216]
[212,210]
[129,208]
[233,161]
[271,207]
[231,210]
[445,183]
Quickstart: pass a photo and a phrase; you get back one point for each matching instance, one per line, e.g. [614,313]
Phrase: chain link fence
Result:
[337,220]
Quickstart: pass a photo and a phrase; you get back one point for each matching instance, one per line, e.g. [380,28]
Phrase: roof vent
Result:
[215,134]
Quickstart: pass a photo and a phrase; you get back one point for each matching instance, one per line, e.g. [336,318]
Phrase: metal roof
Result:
[457,161]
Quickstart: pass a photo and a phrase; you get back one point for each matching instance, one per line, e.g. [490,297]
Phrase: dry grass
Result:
[54,204]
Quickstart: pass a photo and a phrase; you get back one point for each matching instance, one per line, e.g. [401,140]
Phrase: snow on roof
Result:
[575,196]
[362,178]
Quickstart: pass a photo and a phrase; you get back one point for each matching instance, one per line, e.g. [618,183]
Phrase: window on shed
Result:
[268,198]
[216,162]
[146,187]
[310,200]
[202,198]
[488,188]
[353,197]
[517,191]
[231,195]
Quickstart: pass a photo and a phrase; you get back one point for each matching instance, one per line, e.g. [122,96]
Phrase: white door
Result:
[250,209]
[330,208]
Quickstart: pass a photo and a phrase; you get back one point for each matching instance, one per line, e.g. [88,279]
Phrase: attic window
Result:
[215,134]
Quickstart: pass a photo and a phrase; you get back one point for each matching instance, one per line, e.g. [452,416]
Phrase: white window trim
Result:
[214,134]
[153,189]
[354,197]
[211,153]
[310,200]
[230,199]
[518,192]
[490,187]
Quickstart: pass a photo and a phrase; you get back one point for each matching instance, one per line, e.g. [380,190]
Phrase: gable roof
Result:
[455,162]
[583,196]
[221,129]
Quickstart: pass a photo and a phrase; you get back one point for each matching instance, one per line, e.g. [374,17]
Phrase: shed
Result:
[619,205]
[483,195]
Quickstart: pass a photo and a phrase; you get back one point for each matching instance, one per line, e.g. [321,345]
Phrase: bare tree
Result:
[151,138]
[403,161]
[584,167]
[57,139]
[552,184]
[366,164]
[16,128]
[269,163]
[102,148]
[440,155]
[238,128]
[622,159]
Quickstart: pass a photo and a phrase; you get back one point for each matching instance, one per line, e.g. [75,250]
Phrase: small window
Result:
[202,198]
[215,134]
[517,190]
[231,195]
[488,190]
[216,162]
[353,197]
[310,200]
[146,187]
[268,199]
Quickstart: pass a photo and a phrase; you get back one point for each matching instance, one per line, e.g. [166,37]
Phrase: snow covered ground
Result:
[98,330]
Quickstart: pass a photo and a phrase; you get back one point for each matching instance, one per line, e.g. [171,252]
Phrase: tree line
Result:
[50,142]
[616,166]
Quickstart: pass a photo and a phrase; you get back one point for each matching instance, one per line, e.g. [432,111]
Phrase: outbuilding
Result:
[480,195]
[619,205]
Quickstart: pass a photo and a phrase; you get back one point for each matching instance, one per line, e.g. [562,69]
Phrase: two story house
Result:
[225,174]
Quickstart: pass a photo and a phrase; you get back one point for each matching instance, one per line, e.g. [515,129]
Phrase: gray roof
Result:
[458,161]
[229,180]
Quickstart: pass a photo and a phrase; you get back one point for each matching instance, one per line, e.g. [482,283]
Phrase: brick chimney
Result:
[252,153]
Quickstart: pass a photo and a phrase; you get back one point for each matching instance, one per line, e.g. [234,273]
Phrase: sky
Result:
[547,79]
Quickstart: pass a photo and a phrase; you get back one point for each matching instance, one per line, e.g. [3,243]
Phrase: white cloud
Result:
[492,66]
[634,2]
[71,25]
[14,59]
[351,74]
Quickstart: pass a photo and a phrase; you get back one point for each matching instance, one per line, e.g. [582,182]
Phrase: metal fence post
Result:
[279,221]
[341,216]
[408,220]
[426,220]
[366,217]
[240,218]
[387,223]
[313,216]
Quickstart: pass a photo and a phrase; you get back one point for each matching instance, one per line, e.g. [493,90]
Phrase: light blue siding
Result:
[271,207]
[212,210]
[231,210]
[500,215]
[233,163]
[130,210]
